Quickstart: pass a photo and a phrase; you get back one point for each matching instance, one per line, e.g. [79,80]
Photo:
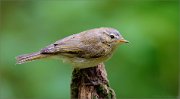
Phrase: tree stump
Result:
[91,83]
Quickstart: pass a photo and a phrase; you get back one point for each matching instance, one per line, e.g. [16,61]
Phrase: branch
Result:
[91,83]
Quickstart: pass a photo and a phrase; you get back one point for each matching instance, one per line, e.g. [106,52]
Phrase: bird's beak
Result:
[123,41]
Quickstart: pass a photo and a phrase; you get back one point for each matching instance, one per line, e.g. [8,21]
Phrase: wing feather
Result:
[74,46]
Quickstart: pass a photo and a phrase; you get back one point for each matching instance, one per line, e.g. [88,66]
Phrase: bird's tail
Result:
[29,57]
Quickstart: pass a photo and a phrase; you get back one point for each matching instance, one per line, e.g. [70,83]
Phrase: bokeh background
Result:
[147,67]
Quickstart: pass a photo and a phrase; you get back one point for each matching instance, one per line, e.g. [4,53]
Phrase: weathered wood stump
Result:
[91,83]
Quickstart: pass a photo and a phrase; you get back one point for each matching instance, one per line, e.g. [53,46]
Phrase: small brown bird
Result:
[82,50]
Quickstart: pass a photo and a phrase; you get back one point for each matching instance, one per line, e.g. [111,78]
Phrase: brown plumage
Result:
[29,57]
[82,50]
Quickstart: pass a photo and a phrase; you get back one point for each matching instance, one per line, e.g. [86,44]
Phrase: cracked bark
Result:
[91,83]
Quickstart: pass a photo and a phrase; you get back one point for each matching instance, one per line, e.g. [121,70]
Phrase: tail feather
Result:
[29,57]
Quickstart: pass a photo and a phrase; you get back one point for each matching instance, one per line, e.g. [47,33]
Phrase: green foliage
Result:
[146,67]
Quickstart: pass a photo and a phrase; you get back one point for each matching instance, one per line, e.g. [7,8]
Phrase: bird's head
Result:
[112,37]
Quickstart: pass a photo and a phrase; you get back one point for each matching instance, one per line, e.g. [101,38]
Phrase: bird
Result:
[82,50]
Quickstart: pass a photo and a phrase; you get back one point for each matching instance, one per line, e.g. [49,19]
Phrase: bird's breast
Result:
[85,63]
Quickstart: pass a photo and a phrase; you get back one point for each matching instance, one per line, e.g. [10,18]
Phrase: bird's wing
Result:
[68,45]
[74,46]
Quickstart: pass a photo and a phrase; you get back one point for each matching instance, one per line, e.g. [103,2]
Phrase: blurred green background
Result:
[147,67]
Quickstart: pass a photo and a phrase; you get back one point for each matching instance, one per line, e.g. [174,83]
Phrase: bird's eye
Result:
[112,36]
